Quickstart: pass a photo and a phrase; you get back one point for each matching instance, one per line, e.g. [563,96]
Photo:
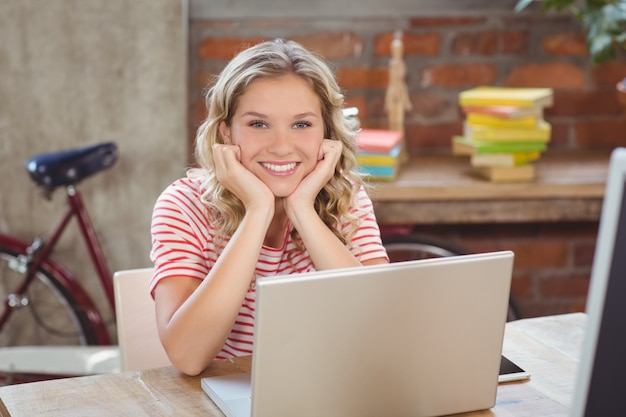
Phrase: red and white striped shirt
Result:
[183,245]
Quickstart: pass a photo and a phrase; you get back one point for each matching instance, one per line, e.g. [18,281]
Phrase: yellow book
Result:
[524,173]
[379,159]
[541,133]
[504,159]
[507,96]
[477,119]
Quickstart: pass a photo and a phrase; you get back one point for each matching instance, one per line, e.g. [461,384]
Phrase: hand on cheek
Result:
[233,175]
[330,152]
[327,159]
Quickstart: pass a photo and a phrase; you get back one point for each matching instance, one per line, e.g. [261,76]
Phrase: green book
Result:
[462,145]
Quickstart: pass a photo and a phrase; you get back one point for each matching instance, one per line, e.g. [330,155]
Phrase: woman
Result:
[276,193]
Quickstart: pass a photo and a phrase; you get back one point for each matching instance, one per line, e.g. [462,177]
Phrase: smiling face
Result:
[279,128]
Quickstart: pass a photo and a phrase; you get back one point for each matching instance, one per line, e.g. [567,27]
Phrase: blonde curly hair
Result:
[269,59]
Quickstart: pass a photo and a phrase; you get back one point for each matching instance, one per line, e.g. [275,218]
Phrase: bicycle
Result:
[43,302]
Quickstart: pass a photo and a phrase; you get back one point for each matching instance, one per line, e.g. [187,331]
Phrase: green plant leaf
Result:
[558,5]
[603,21]
[601,48]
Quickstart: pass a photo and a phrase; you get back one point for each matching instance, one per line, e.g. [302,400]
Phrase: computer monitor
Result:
[601,381]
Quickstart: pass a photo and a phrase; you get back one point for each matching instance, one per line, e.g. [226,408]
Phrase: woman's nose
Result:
[282,142]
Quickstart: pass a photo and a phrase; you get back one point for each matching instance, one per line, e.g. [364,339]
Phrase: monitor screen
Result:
[601,383]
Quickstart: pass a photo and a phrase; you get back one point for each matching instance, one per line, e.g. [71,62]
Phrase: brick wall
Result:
[445,55]
[552,260]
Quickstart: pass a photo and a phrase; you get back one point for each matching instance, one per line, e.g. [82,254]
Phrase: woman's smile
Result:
[280,168]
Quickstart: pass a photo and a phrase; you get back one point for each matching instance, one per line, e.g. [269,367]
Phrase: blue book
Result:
[378,172]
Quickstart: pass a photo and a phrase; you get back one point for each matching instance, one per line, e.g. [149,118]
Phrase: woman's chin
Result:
[282,191]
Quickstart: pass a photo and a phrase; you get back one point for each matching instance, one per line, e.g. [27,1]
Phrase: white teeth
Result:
[279,168]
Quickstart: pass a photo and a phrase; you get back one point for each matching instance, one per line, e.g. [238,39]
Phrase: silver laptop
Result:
[417,338]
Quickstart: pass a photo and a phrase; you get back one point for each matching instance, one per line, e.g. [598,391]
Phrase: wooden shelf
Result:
[433,189]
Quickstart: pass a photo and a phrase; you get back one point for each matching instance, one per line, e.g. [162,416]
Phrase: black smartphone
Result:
[510,371]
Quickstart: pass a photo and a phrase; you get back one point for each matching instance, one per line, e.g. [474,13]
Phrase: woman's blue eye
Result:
[301,125]
[257,123]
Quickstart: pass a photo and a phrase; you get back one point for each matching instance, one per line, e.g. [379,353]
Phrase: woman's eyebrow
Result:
[263,116]
[254,114]
[305,114]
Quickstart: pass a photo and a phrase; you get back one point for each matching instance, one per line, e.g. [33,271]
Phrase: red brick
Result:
[475,43]
[199,112]
[515,42]
[552,75]
[565,44]
[490,42]
[560,138]
[434,137]
[584,253]
[363,77]
[535,20]
[601,134]
[225,48]
[376,105]
[426,44]
[564,286]
[585,103]
[438,22]
[522,286]
[609,73]
[359,102]
[547,308]
[459,75]
[430,104]
[333,46]
[239,24]
[539,254]
[578,306]
[203,79]
[224,25]
[375,124]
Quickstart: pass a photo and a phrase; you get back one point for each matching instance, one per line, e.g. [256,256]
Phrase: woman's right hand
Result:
[231,173]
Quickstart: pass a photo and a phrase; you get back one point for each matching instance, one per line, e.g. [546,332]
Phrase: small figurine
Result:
[397,100]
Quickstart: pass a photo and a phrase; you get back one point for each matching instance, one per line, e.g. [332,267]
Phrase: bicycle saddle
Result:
[56,169]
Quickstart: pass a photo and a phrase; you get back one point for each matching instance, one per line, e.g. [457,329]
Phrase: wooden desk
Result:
[548,347]
[438,189]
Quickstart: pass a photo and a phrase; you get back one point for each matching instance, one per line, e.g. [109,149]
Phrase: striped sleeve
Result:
[366,243]
[181,235]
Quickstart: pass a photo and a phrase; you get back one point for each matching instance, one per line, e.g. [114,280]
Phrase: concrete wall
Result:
[333,9]
[77,72]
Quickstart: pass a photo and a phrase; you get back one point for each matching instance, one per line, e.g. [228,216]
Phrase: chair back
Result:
[138,339]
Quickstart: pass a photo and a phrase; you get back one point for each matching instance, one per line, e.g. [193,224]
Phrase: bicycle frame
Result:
[40,256]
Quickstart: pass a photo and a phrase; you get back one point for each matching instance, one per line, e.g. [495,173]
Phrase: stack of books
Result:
[504,131]
[379,152]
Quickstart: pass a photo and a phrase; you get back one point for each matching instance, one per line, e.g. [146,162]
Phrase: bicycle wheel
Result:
[411,247]
[47,314]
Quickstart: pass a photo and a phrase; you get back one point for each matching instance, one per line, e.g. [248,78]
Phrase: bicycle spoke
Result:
[44,315]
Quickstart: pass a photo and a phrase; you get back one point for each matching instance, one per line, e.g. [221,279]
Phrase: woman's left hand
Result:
[306,192]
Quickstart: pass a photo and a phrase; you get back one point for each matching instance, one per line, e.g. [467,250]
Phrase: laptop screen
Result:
[601,381]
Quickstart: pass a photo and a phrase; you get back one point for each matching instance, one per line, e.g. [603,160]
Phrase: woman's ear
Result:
[225,132]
